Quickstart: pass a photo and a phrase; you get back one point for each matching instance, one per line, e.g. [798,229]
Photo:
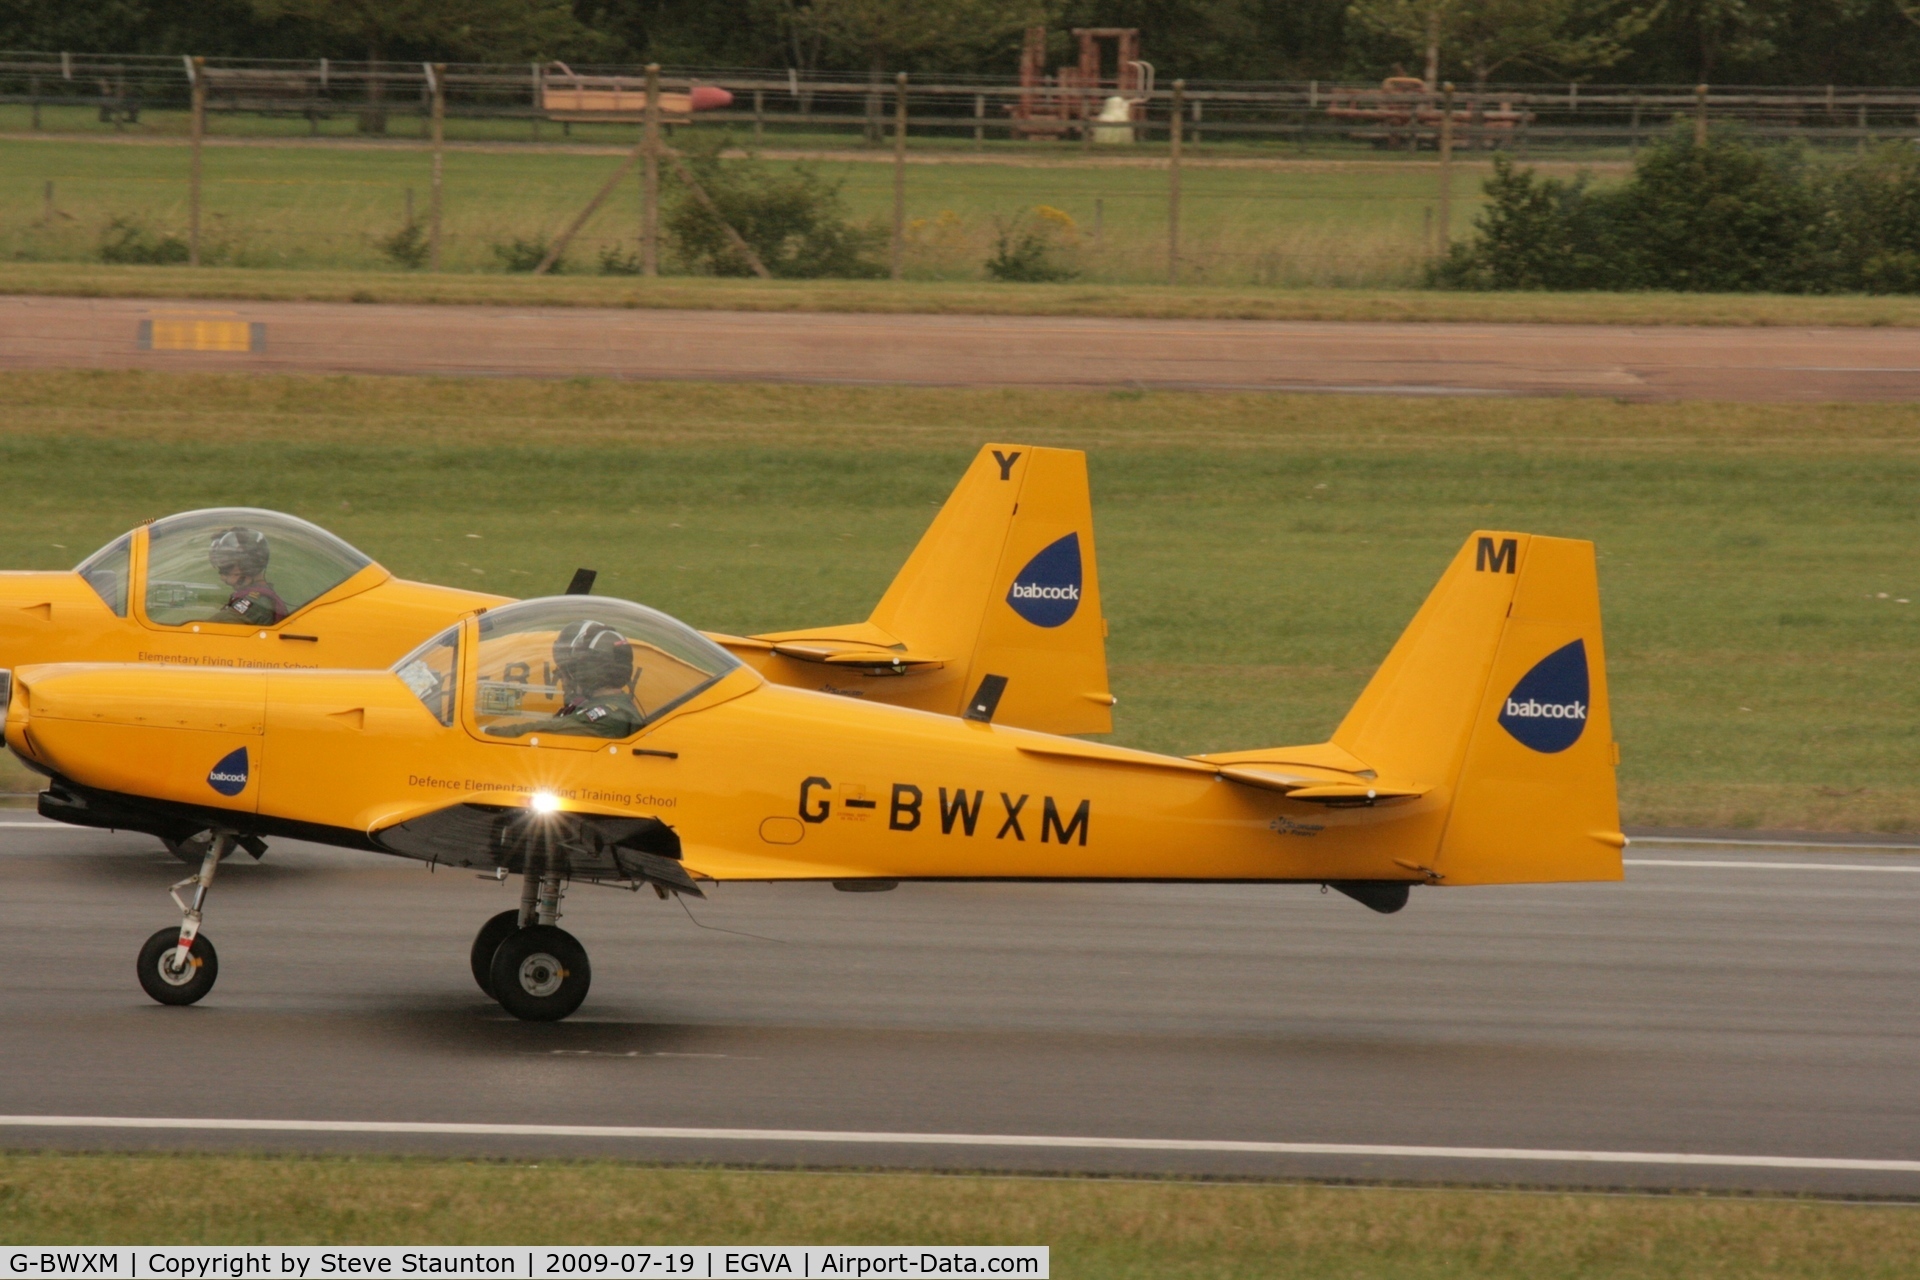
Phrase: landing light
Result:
[545,802]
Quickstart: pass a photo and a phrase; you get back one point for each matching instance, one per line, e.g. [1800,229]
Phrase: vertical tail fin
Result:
[1002,584]
[1496,696]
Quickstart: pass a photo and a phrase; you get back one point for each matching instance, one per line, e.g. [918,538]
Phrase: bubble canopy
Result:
[303,561]
[517,679]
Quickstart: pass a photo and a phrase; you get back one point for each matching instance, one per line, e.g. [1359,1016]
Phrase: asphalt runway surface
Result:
[1636,363]
[1734,1017]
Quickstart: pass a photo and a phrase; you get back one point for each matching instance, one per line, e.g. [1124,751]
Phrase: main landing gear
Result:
[178,966]
[522,958]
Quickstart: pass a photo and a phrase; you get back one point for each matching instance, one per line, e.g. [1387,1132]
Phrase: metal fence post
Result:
[899,175]
[1174,130]
[1700,116]
[979,115]
[437,79]
[759,115]
[196,76]
[650,177]
[1445,220]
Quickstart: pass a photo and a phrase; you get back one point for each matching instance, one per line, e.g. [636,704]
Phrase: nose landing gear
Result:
[178,966]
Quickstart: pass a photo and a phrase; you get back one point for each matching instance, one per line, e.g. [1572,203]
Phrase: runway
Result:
[1717,1021]
[1645,363]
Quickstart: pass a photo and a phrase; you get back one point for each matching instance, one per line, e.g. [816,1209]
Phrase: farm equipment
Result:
[1067,101]
[1404,113]
[567,96]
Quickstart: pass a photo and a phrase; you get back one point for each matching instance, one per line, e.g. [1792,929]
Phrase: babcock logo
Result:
[229,777]
[1547,710]
[1047,592]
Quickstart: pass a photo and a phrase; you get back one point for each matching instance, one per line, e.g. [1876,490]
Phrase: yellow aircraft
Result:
[1003,580]
[577,738]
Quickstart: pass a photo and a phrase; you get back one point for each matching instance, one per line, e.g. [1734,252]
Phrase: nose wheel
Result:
[178,966]
[171,980]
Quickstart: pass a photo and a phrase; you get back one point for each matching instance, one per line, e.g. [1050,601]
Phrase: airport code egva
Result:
[304,1262]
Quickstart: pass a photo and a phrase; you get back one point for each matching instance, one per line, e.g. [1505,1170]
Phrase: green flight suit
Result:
[605,715]
[257,603]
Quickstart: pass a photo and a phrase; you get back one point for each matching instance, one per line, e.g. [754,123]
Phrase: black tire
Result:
[540,973]
[487,941]
[181,989]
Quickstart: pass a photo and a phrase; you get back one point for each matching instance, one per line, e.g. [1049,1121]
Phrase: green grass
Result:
[331,206]
[1095,1228]
[955,297]
[1258,553]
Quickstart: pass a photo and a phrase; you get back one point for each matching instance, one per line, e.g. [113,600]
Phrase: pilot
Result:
[239,556]
[595,664]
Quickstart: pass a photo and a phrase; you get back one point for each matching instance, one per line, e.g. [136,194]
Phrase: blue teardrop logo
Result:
[1047,592]
[229,777]
[1547,710]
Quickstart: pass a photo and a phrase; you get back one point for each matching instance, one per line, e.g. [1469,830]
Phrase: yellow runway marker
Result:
[203,335]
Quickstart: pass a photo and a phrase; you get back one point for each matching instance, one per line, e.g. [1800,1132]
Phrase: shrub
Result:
[1875,224]
[525,254]
[1721,218]
[128,239]
[615,261]
[1029,249]
[1724,217]
[407,247]
[795,221]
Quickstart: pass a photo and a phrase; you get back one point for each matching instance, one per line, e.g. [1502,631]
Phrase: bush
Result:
[615,261]
[1726,217]
[524,255]
[129,240]
[1029,249]
[793,218]
[1876,221]
[407,247]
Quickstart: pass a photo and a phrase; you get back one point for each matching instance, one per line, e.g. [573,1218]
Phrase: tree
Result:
[1483,37]
[885,34]
[482,30]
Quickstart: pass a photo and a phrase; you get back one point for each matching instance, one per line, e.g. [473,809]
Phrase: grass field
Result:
[1258,553]
[332,206]
[1095,1228]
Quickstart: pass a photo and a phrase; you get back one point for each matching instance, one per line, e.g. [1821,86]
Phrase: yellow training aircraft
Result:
[1480,753]
[1003,580]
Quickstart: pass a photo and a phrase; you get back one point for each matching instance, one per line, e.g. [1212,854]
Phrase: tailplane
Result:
[995,616]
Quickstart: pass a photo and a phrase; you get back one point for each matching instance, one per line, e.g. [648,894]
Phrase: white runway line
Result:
[1766,866]
[1848,845]
[862,1138]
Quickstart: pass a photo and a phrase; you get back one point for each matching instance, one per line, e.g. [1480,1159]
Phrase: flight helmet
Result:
[239,548]
[589,656]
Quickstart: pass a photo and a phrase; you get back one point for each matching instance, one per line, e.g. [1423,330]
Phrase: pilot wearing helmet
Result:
[239,556]
[595,665]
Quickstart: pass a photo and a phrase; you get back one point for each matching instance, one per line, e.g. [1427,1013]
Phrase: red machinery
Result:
[1049,105]
[1404,112]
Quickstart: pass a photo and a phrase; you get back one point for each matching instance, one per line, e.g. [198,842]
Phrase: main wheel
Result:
[158,977]
[487,941]
[540,973]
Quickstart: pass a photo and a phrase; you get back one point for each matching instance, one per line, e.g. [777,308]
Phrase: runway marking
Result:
[1774,844]
[863,1138]
[1767,866]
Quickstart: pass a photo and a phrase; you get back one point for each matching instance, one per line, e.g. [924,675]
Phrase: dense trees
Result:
[1666,41]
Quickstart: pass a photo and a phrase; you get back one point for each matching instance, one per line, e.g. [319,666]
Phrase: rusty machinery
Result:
[1404,112]
[1050,106]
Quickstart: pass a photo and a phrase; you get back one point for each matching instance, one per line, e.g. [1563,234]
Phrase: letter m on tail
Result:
[1505,558]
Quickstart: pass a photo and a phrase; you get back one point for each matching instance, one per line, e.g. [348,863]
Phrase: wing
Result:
[609,848]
